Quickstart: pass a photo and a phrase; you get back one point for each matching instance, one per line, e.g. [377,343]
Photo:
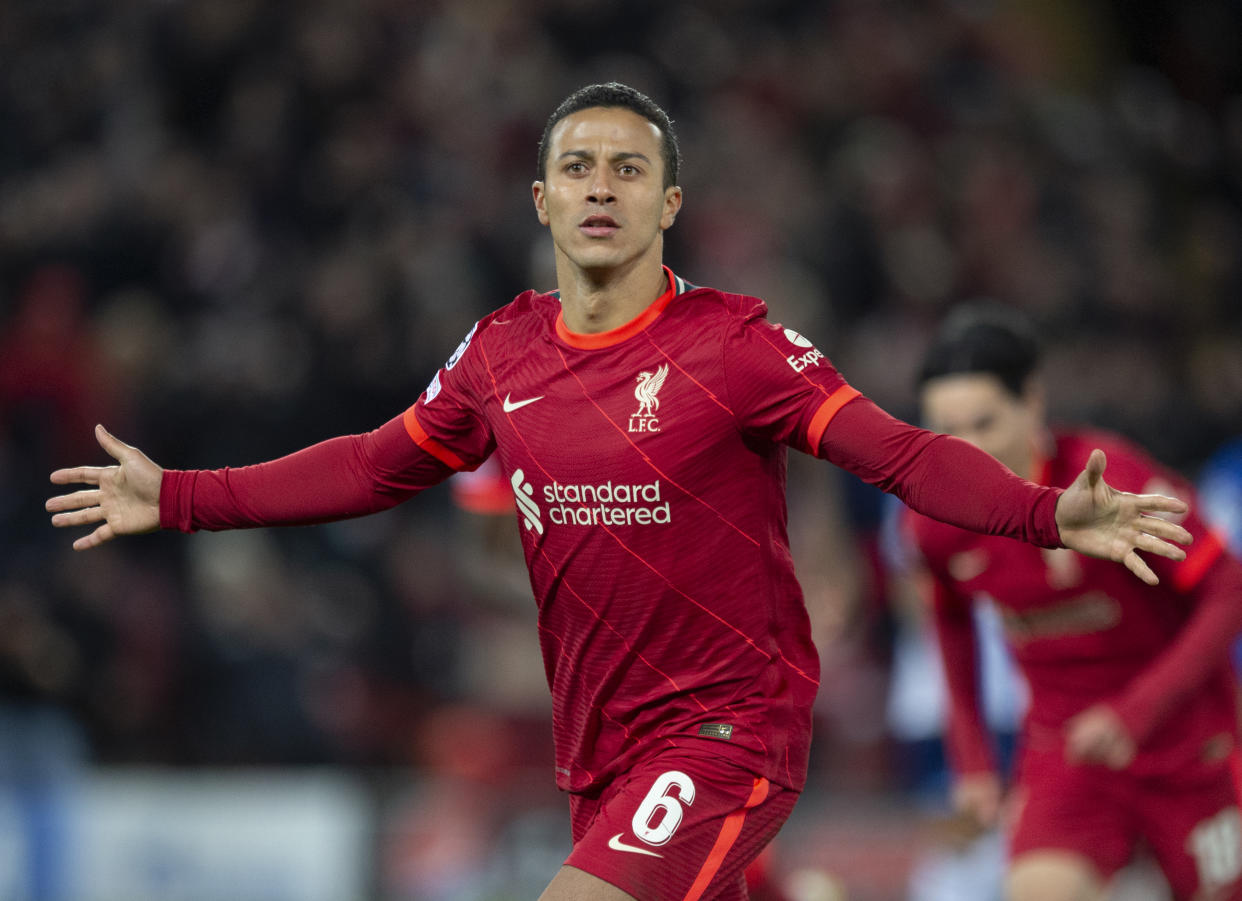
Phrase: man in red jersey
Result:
[1131,731]
[642,423]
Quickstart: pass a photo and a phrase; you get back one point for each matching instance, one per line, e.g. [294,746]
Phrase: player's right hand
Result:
[1098,735]
[124,499]
[979,796]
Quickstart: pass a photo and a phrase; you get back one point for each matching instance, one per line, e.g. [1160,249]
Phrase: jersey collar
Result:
[595,341]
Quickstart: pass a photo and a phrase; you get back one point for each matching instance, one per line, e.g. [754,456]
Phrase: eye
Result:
[628,170]
[576,168]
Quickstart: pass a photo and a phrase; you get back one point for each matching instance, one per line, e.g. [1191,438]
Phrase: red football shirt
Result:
[1086,631]
[649,469]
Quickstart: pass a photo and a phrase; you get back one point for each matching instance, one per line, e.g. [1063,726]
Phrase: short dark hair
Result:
[984,337]
[612,95]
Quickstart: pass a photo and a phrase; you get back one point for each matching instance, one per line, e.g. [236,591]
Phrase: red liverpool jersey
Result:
[648,465]
[648,468]
[1085,631]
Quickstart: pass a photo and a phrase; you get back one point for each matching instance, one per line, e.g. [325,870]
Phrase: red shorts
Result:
[1188,817]
[680,826]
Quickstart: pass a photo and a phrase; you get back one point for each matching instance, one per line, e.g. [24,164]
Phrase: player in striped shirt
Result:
[643,423]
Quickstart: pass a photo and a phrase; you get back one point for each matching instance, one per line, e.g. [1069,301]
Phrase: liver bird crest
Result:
[649,384]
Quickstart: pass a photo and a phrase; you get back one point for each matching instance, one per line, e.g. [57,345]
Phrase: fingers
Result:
[90,475]
[86,507]
[1097,736]
[1095,466]
[1163,529]
[94,539]
[114,446]
[1139,567]
[1152,504]
[1112,750]
[82,517]
[83,475]
[1151,544]
[88,497]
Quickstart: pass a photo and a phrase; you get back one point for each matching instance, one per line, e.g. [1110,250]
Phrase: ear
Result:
[672,206]
[541,202]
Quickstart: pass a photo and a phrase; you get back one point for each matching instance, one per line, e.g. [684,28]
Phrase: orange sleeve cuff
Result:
[429,444]
[827,410]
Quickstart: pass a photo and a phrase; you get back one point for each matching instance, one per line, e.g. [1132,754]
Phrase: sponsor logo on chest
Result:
[602,504]
[1085,614]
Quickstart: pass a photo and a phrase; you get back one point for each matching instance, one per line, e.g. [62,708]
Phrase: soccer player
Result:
[642,423]
[1131,731]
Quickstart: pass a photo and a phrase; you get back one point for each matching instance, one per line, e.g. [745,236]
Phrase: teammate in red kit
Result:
[642,422]
[1131,730]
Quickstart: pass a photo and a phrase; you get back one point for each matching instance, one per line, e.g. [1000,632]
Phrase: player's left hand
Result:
[1098,520]
[1097,735]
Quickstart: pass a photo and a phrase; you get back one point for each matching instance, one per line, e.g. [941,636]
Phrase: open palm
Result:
[124,499]
[1098,520]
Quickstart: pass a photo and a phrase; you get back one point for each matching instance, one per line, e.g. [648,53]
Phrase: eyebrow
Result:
[616,157]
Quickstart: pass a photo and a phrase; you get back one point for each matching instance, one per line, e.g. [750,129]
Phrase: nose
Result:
[601,187]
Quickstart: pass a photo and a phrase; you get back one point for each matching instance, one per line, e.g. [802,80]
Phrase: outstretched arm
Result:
[953,481]
[343,477]
[1098,520]
[124,499]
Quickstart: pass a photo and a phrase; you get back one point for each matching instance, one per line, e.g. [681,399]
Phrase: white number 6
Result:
[648,825]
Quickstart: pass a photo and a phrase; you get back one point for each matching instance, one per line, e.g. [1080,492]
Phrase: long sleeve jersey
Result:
[648,468]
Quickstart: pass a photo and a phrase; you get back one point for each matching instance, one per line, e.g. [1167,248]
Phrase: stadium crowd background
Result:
[230,228]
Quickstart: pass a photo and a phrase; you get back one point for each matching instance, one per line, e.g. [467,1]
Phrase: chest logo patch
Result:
[647,394]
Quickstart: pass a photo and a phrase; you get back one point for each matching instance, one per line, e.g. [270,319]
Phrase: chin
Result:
[597,262]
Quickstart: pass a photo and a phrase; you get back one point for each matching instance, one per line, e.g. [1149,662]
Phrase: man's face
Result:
[603,194]
[977,408]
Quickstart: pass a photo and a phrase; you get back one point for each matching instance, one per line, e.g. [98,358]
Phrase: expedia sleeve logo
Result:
[807,354]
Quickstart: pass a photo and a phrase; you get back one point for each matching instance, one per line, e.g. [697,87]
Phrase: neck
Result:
[599,301]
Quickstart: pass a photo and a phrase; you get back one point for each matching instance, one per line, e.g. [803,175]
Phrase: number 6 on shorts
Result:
[648,825]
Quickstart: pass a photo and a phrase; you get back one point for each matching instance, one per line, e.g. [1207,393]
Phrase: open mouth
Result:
[598,226]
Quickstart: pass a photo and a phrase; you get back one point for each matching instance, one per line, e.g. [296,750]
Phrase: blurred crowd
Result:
[231,228]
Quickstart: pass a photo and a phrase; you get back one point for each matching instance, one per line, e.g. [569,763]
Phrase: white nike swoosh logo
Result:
[617,845]
[510,405]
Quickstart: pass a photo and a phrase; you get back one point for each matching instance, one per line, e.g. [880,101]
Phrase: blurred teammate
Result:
[642,423]
[1131,731]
